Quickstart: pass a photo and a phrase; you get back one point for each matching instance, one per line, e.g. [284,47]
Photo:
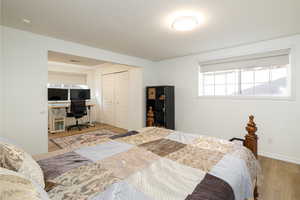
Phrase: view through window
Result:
[239,79]
[269,81]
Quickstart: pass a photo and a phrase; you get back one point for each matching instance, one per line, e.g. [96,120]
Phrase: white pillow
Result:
[17,186]
[15,159]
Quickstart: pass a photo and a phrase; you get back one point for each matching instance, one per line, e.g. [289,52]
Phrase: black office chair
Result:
[78,110]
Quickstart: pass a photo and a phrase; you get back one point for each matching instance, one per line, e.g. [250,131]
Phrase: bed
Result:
[155,164]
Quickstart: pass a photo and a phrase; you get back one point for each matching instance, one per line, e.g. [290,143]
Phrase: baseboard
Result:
[280,157]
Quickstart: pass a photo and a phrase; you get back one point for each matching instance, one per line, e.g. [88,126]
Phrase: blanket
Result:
[152,164]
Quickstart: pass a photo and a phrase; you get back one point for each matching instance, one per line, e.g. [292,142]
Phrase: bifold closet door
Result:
[115,99]
[108,110]
[121,99]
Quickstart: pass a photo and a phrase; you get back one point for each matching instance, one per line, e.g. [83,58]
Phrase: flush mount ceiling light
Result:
[185,20]
[185,23]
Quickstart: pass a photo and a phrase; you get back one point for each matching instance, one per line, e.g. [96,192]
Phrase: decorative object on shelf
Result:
[150,117]
[160,99]
[151,93]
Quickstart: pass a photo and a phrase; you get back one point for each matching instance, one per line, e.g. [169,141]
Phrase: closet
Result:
[115,89]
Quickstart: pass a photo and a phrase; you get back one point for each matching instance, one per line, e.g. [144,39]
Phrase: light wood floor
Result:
[281,179]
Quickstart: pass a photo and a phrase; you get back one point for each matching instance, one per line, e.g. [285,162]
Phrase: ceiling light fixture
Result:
[185,20]
[185,23]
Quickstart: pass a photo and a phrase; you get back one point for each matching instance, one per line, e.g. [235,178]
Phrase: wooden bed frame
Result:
[250,142]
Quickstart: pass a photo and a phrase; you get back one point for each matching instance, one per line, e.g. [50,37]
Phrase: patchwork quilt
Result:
[152,164]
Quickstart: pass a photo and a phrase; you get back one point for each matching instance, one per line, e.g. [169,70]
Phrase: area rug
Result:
[78,140]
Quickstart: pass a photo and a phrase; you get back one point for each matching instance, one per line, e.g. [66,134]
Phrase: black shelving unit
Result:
[161,99]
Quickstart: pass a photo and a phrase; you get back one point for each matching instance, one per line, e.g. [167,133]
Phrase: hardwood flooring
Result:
[281,179]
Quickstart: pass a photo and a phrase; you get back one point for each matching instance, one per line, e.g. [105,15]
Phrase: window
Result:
[255,75]
[67,86]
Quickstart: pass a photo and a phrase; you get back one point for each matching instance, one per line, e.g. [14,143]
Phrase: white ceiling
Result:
[71,59]
[139,27]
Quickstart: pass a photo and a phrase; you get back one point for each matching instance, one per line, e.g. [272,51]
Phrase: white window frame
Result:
[290,85]
[67,86]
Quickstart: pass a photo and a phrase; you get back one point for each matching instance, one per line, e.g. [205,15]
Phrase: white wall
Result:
[136,116]
[1,84]
[278,121]
[25,68]
[66,78]
[1,73]
[25,107]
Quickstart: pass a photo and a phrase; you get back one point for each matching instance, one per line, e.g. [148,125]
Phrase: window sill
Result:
[271,98]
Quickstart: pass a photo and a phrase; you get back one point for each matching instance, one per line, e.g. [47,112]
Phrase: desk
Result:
[57,106]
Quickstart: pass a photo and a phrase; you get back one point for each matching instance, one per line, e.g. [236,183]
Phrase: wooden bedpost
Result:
[251,143]
[251,138]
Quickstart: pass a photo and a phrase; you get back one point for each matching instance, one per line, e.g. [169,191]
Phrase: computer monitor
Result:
[56,94]
[80,94]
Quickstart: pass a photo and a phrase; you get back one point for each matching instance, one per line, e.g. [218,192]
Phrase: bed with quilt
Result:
[149,164]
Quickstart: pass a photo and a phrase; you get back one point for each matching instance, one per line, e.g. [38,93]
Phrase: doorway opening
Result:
[91,96]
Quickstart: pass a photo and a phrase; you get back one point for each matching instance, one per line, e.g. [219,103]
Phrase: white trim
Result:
[71,65]
[241,97]
[246,64]
[280,157]
[267,54]
[116,72]
[292,72]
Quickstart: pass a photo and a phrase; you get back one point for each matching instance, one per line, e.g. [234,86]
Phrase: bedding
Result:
[15,159]
[15,186]
[152,164]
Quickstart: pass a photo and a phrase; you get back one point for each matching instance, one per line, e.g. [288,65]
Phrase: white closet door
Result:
[121,99]
[108,110]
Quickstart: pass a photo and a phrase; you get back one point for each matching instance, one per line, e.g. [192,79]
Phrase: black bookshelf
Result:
[161,99]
